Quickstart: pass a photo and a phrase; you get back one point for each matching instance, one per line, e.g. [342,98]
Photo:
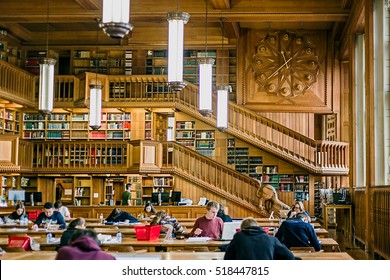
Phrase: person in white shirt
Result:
[62,209]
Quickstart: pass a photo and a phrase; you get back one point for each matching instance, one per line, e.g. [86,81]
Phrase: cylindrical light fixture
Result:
[205,86]
[46,85]
[116,14]
[95,106]
[176,22]
[222,107]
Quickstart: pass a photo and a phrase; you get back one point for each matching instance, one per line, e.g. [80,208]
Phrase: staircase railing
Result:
[209,174]
[318,157]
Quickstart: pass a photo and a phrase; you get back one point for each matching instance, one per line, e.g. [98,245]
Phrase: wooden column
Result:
[370,117]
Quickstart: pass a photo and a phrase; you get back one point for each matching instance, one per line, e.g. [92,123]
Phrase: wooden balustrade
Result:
[318,157]
[207,173]
[66,89]
[76,156]
[17,83]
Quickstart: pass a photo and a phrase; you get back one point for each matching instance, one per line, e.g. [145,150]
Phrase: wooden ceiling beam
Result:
[17,32]
[195,17]
[231,30]
[221,4]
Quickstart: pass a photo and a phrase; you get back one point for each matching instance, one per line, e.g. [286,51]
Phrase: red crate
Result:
[33,215]
[147,232]
[20,242]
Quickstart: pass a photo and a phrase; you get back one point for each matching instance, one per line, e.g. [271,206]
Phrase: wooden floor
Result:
[347,245]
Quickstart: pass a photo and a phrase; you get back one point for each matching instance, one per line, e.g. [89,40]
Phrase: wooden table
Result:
[344,207]
[150,245]
[50,255]
[329,244]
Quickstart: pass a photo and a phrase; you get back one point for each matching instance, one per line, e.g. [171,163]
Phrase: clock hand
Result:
[282,52]
[277,70]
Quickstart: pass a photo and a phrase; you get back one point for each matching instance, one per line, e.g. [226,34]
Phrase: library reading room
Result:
[195,130]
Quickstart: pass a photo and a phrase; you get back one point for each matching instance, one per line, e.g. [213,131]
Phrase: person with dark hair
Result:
[209,225]
[221,213]
[298,232]
[253,243]
[126,195]
[161,218]
[62,209]
[148,212]
[78,223]
[49,217]
[118,215]
[19,213]
[84,245]
[297,208]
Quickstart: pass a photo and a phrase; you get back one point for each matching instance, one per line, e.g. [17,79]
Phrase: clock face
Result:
[285,63]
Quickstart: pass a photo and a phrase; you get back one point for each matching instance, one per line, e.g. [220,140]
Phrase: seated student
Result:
[297,208]
[84,245]
[19,213]
[78,223]
[118,215]
[161,218]
[209,225]
[62,209]
[149,212]
[253,243]
[49,217]
[298,232]
[221,213]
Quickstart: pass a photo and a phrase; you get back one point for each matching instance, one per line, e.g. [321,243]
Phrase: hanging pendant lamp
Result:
[176,22]
[46,77]
[205,80]
[115,22]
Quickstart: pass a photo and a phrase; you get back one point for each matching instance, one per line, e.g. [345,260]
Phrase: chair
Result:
[302,249]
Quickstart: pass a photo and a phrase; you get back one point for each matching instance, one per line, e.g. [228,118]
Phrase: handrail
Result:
[209,174]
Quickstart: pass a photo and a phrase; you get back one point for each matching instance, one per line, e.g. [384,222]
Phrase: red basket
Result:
[147,232]
[33,215]
[20,242]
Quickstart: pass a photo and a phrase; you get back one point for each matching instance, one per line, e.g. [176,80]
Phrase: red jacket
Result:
[83,248]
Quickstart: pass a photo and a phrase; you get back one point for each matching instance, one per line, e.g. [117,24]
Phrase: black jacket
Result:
[297,233]
[253,243]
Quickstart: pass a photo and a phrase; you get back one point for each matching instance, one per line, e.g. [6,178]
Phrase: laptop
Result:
[229,229]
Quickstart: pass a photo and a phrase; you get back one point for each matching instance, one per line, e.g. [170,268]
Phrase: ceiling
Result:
[65,23]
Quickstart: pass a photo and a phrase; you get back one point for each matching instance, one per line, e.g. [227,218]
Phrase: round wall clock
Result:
[285,63]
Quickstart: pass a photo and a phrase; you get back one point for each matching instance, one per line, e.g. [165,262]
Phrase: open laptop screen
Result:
[229,229]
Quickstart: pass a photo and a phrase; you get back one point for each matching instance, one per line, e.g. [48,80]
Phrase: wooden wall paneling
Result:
[98,188]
